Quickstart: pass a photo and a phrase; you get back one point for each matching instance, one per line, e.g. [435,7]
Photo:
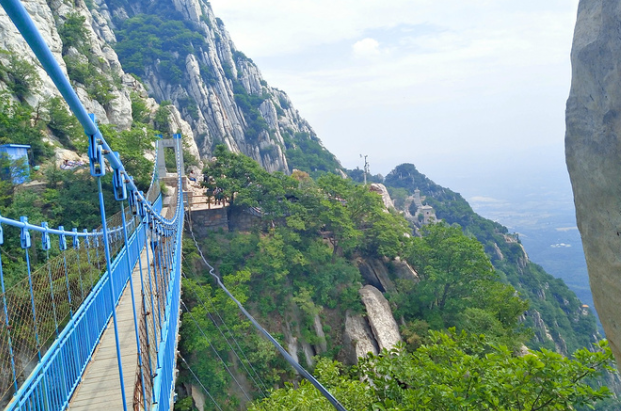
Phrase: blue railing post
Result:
[152,245]
[6,315]
[62,246]
[46,244]
[98,170]
[87,243]
[26,243]
[120,194]
[76,248]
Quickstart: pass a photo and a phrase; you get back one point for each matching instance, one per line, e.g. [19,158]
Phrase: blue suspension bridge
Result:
[95,326]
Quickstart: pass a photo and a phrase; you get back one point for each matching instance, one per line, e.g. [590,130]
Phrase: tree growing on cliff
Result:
[459,287]
[454,371]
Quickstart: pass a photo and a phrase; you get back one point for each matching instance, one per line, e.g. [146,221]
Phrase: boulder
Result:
[593,154]
[382,191]
[358,339]
[379,314]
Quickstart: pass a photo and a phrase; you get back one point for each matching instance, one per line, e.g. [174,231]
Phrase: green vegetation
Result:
[20,76]
[249,105]
[64,125]
[74,34]
[84,67]
[454,371]
[19,125]
[557,305]
[459,288]
[304,152]
[296,260]
[146,39]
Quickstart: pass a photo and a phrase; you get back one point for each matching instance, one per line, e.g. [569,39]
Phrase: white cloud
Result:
[366,48]
[566,229]
[482,199]
[458,78]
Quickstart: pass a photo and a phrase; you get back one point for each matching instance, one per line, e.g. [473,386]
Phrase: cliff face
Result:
[593,153]
[555,313]
[219,91]
[217,94]
[116,109]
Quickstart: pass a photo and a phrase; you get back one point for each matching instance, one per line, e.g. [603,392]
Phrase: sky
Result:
[468,91]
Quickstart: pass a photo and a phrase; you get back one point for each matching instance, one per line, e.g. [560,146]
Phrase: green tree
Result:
[454,371]
[458,286]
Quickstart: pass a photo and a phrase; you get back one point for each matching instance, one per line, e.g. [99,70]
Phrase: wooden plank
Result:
[100,388]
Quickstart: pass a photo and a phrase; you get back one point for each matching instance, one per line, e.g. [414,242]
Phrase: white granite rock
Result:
[383,324]
[593,154]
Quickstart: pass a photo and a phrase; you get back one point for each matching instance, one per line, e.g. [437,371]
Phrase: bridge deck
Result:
[100,385]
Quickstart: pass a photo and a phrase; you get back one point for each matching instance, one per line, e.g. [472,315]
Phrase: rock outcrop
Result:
[381,320]
[404,271]
[375,273]
[48,17]
[215,75]
[358,339]
[383,191]
[593,154]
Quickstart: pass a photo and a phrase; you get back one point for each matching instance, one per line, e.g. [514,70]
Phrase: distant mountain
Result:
[184,55]
[555,313]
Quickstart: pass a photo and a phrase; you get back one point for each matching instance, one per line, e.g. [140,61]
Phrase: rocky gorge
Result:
[198,83]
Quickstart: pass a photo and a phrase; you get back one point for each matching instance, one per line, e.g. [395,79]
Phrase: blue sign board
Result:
[18,154]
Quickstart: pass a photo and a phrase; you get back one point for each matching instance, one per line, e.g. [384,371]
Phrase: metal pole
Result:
[131,289]
[104,224]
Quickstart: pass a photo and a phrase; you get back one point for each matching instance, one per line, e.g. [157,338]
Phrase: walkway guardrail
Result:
[61,364]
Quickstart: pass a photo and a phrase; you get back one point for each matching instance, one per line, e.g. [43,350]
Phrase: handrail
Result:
[28,30]
[61,367]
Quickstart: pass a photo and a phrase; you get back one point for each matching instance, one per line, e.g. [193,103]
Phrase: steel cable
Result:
[267,335]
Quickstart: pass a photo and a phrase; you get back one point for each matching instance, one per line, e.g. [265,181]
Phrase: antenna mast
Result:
[366,168]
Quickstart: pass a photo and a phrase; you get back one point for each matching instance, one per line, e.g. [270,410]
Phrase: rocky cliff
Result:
[174,52]
[593,153]
[112,104]
[219,91]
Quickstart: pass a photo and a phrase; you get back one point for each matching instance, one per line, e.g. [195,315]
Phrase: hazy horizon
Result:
[449,87]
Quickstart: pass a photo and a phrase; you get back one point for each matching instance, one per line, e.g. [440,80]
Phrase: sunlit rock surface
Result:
[381,320]
[593,153]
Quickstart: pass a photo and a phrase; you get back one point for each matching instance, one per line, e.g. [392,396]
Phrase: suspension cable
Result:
[267,335]
[201,384]
[214,350]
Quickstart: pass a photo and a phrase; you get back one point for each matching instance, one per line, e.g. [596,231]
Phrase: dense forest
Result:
[470,321]
[299,260]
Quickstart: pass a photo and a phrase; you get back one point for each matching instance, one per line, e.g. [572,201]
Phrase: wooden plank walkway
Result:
[100,386]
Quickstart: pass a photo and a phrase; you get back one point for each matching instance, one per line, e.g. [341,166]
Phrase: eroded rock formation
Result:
[593,153]
[209,103]
[381,320]
[358,338]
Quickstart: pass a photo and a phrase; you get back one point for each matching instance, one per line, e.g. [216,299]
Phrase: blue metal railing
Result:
[50,385]
[165,381]
[59,371]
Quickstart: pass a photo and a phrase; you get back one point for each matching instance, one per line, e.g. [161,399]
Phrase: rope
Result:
[199,381]
[215,351]
[337,405]
[229,344]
